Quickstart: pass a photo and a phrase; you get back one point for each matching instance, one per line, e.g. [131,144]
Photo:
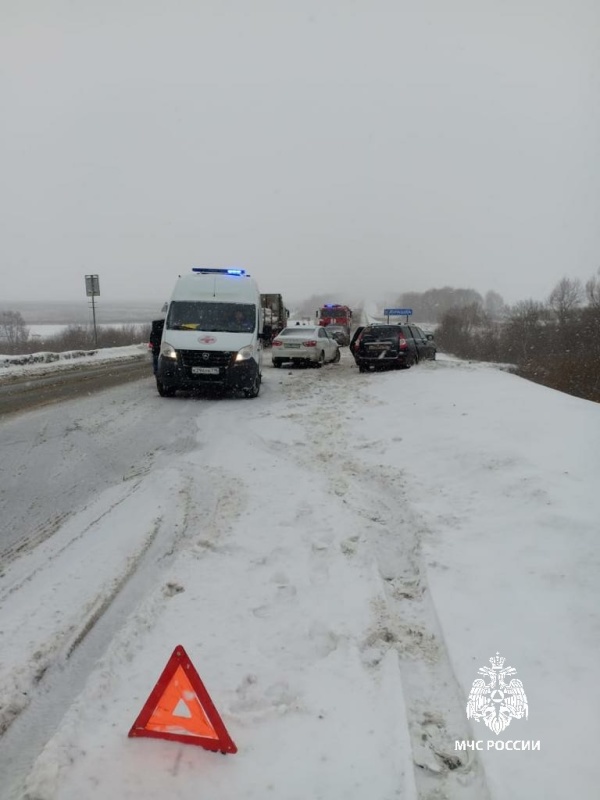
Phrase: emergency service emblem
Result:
[497,702]
[207,340]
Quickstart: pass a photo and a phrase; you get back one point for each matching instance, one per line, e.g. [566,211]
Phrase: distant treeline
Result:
[430,306]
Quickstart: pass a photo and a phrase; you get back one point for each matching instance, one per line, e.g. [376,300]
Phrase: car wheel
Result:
[362,368]
[254,388]
[164,391]
[337,356]
[410,362]
[321,361]
[277,363]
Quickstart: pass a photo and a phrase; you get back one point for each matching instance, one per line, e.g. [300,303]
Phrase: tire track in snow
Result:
[38,535]
[47,531]
[405,616]
[407,622]
[62,640]
[199,530]
[100,604]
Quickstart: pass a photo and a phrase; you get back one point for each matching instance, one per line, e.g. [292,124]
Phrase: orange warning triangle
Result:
[180,709]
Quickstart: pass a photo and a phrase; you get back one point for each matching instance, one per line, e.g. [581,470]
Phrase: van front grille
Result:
[205,358]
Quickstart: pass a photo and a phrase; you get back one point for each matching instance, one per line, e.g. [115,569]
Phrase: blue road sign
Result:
[397,312]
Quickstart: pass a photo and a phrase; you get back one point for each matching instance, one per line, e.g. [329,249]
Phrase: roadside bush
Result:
[557,344]
[81,337]
[579,377]
[14,333]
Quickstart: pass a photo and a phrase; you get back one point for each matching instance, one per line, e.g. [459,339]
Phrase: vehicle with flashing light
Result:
[302,345]
[335,314]
[213,334]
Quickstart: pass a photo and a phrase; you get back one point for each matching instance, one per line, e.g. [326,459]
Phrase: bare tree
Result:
[13,330]
[457,327]
[431,306]
[522,331]
[592,290]
[565,298]
[493,304]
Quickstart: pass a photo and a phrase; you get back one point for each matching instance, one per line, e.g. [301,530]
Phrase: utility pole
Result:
[92,289]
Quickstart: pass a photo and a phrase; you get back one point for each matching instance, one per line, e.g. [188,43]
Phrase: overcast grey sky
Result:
[357,147]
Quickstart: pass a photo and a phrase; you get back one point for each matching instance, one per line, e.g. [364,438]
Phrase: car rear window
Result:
[301,330]
[380,334]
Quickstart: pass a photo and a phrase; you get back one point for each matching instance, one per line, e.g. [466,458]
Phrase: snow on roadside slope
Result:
[511,508]
[506,491]
[375,540]
[47,362]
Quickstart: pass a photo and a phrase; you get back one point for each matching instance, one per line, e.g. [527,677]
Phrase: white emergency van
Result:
[212,334]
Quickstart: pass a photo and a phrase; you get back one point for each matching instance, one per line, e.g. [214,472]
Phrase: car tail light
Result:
[275,343]
[310,343]
[402,343]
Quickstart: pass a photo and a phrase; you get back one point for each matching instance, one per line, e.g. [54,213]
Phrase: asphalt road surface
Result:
[23,393]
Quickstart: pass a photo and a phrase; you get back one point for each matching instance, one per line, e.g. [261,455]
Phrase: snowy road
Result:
[21,392]
[338,556]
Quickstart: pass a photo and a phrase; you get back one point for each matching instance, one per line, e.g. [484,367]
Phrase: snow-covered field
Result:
[338,557]
[47,331]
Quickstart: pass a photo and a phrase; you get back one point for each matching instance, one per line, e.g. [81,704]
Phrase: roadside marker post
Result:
[179,709]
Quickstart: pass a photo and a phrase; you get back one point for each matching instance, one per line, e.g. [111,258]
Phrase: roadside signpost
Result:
[92,289]
[397,312]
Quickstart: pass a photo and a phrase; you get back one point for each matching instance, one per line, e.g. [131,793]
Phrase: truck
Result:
[275,316]
[212,334]
[335,314]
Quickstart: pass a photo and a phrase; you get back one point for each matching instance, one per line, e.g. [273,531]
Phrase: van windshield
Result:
[203,316]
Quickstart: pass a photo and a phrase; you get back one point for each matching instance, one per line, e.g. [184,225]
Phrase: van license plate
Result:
[205,370]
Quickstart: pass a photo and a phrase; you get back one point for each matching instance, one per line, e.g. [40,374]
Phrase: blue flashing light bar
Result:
[211,271]
[331,305]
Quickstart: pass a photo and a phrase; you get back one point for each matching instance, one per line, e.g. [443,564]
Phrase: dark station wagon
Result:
[391,347]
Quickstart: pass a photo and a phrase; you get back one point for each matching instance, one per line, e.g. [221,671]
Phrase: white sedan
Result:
[305,345]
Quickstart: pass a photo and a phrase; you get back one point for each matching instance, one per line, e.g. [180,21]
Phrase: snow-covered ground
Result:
[338,557]
[46,362]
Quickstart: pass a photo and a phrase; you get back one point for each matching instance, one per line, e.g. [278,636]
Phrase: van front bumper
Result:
[191,370]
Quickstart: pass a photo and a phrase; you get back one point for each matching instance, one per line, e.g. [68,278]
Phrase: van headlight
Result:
[244,354]
[167,350]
